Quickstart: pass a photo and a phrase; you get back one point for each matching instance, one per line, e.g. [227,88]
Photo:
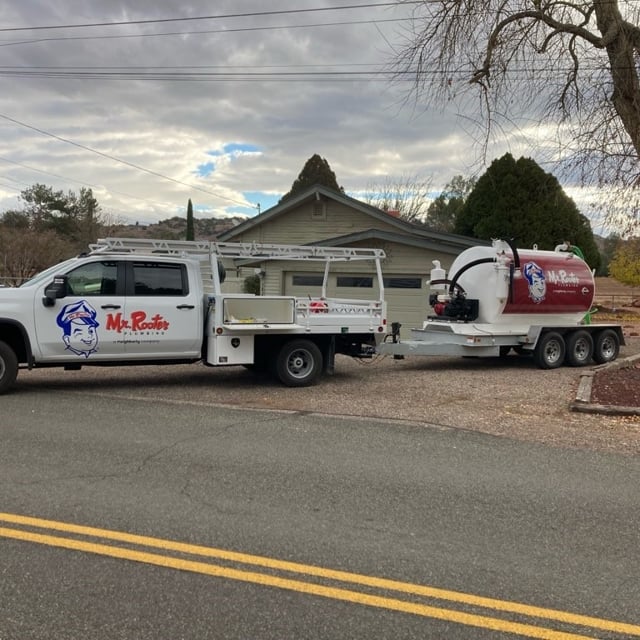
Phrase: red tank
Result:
[551,283]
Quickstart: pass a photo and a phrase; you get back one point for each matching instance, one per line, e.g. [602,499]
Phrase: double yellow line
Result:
[280,572]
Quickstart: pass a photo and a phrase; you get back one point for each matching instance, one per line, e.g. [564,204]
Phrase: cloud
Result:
[223,111]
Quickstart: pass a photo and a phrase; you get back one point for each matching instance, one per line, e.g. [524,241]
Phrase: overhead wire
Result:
[67,179]
[252,14]
[121,161]
[205,31]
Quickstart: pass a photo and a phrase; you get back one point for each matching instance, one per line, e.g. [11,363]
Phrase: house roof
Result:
[451,244]
[405,232]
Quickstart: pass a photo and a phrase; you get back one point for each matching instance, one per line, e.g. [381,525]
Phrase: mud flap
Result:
[329,357]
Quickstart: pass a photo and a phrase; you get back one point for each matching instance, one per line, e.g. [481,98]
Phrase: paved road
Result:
[150,518]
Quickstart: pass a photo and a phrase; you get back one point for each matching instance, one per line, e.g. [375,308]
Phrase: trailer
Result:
[500,298]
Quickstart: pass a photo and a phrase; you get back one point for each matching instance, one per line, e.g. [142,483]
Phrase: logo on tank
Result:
[536,281]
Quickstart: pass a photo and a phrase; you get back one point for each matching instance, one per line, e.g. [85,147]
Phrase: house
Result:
[321,216]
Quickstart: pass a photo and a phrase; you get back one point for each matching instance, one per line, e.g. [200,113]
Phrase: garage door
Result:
[406,295]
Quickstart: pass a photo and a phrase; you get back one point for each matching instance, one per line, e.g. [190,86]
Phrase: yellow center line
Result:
[309,570]
[333,593]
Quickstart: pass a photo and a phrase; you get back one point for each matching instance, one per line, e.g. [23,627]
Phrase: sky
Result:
[150,103]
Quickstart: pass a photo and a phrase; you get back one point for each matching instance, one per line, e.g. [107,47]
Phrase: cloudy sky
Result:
[151,103]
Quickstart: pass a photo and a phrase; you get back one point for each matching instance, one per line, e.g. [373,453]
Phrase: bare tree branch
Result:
[575,63]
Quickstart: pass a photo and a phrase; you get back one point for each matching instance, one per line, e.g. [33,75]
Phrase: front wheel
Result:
[550,350]
[299,363]
[606,346]
[8,367]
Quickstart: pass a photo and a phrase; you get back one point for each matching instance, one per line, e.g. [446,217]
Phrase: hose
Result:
[466,267]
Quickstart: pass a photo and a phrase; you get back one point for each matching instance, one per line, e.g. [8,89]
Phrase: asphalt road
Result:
[154,518]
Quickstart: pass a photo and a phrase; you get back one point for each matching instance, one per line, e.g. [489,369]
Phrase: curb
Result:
[583,403]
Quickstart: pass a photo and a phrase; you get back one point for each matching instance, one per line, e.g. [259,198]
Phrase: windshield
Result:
[56,269]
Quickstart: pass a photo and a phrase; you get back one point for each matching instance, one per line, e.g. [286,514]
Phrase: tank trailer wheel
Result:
[606,346]
[8,367]
[550,350]
[299,363]
[579,348]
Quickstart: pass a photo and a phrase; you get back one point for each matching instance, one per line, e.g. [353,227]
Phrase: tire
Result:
[579,348]
[550,350]
[606,346]
[505,350]
[298,363]
[8,367]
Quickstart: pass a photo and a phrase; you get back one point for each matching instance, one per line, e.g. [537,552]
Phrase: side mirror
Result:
[57,289]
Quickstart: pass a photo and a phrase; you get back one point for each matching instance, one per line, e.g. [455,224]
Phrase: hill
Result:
[175,228]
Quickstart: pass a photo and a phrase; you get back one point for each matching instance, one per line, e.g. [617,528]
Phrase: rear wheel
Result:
[606,346]
[579,348]
[550,350]
[8,367]
[299,363]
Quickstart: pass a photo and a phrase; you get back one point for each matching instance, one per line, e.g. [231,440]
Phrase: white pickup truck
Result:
[133,302]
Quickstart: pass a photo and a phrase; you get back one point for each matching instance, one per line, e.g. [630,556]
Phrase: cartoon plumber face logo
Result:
[79,328]
[537,283]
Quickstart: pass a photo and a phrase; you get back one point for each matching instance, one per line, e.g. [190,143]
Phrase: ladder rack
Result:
[207,249]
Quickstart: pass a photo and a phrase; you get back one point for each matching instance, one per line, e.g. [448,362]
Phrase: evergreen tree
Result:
[315,171]
[519,200]
[190,235]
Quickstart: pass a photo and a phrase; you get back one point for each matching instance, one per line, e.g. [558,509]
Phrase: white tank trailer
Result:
[499,298]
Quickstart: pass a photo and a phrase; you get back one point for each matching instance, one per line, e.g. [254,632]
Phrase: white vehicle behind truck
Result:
[499,298]
[133,301]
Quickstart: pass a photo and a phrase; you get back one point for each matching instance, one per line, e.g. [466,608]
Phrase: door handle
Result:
[110,306]
[186,306]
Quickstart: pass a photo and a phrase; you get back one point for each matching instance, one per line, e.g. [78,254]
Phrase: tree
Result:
[74,217]
[409,195]
[24,253]
[190,233]
[625,264]
[607,246]
[443,211]
[572,62]
[315,171]
[517,199]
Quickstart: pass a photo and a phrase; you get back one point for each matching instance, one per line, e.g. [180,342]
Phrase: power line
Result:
[206,31]
[67,179]
[193,74]
[119,160]
[254,14]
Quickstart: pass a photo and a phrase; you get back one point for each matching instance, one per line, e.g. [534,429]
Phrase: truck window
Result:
[159,279]
[93,279]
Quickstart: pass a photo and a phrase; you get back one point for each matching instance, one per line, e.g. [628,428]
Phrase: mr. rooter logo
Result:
[138,321]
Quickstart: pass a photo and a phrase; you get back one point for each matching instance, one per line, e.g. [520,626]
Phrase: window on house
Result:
[403,282]
[365,282]
[306,280]
[319,211]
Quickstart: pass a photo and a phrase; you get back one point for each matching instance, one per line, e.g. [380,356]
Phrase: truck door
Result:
[75,327]
[163,311]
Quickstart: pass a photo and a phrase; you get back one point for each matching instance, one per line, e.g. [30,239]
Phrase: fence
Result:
[616,301]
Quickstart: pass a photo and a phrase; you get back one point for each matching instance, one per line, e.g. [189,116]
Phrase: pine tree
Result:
[315,171]
[190,225]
